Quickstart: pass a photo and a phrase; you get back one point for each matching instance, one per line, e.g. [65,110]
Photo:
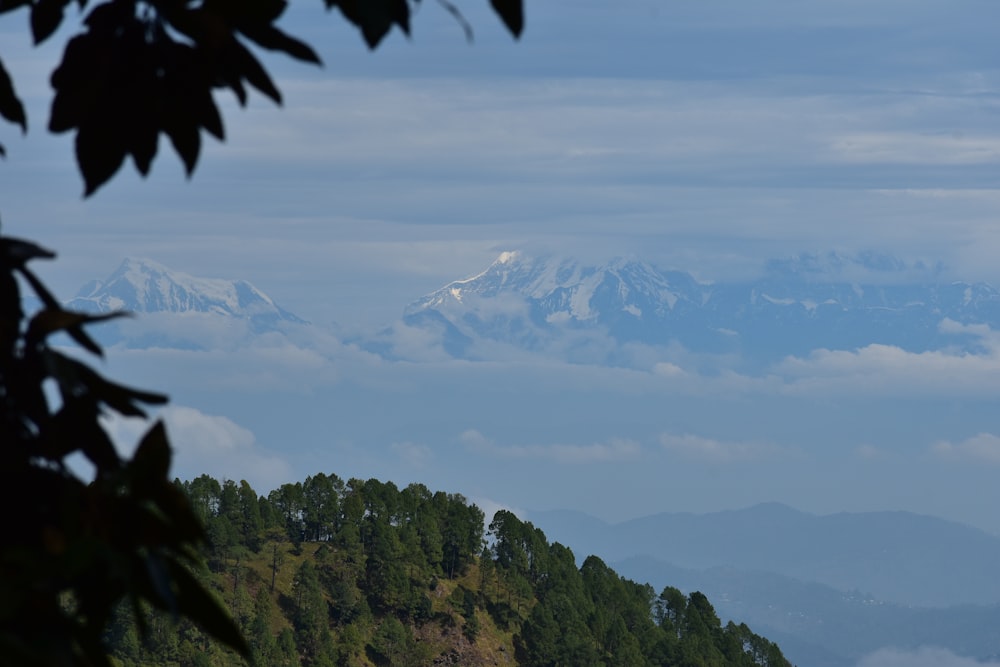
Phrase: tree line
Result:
[330,572]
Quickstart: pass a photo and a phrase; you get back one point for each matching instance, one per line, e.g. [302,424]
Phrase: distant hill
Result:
[820,626]
[898,557]
[829,589]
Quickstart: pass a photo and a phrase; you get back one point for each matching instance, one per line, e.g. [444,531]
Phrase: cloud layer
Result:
[208,444]
[923,657]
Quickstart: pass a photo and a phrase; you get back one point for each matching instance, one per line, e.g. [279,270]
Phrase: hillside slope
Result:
[328,572]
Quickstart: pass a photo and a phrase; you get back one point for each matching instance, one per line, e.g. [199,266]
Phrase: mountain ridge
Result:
[900,557]
[203,306]
[536,303]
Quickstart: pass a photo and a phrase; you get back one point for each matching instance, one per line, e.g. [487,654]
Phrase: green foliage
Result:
[145,68]
[383,599]
[75,548]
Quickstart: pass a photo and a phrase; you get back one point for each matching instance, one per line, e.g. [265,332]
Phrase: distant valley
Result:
[830,589]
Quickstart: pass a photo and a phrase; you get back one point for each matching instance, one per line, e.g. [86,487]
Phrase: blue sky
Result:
[708,137]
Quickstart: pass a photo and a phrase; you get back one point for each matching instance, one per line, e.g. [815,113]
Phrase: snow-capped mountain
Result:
[542,303]
[193,304]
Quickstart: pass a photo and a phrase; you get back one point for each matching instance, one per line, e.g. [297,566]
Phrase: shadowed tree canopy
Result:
[78,545]
[142,68]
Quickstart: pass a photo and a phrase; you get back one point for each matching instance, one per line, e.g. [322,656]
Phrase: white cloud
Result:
[270,363]
[915,148]
[922,657]
[869,452]
[888,369]
[490,507]
[412,454]
[615,449]
[208,444]
[982,448]
[699,448]
[667,369]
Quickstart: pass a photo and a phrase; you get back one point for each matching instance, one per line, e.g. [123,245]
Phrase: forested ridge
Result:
[327,572]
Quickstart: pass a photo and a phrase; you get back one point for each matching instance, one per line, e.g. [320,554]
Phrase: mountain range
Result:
[599,314]
[558,305]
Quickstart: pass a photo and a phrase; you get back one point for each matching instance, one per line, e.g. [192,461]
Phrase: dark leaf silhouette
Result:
[511,12]
[46,15]
[10,106]
[374,17]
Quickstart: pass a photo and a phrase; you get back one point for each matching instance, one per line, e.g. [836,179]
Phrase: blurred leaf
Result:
[253,72]
[511,12]
[94,441]
[41,291]
[187,90]
[46,15]
[160,580]
[11,312]
[49,321]
[8,5]
[184,134]
[204,609]
[74,83]
[176,505]
[74,375]
[24,391]
[270,37]
[374,17]
[208,115]
[100,151]
[51,303]
[151,460]
[76,331]
[142,124]
[15,252]
[10,106]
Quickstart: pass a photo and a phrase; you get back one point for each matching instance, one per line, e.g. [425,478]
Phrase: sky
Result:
[708,137]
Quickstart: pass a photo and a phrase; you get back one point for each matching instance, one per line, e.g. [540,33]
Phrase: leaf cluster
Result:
[73,548]
[145,68]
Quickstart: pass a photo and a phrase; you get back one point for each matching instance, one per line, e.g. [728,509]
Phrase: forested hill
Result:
[328,572]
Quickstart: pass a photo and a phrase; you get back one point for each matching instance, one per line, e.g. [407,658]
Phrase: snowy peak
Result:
[592,313]
[145,286]
[562,288]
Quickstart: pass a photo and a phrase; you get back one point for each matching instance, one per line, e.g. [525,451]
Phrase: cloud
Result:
[922,657]
[490,507]
[917,149]
[881,368]
[981,448]
[615,449]
[699,448]
[411,453]
[869,452]
[208,444]
[270,362]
